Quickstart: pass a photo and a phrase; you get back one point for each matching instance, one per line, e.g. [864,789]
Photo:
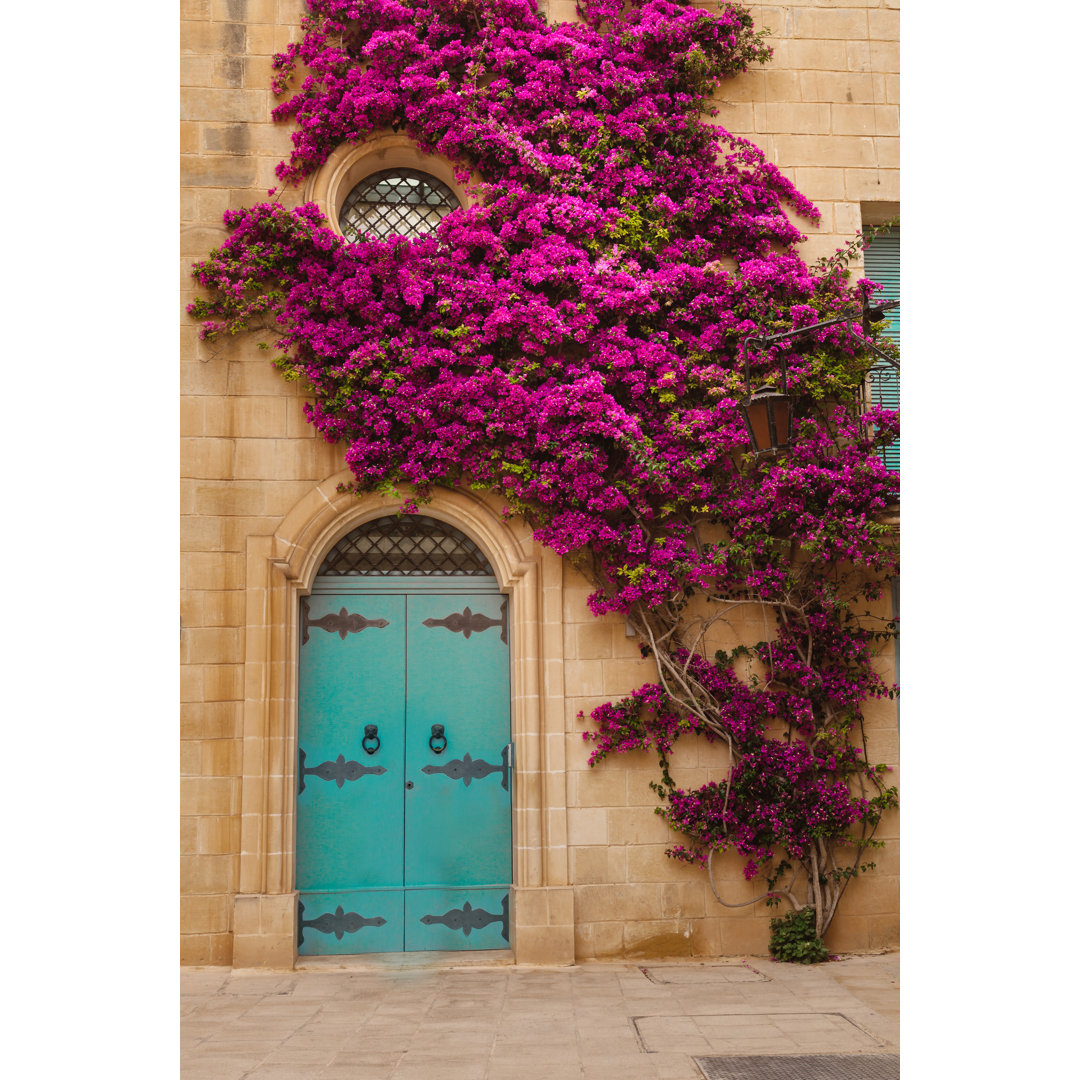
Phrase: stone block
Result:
[221,757]
[623,676]
[218,171]
[593,641]
[843,87]
[647,862]
[803,150]
[872,894]
[210,39]
[817,22]
[848,933]
[223,682]
[224,104]
[736,116]
[879,57]
[810,55]
[195,949]
[599,787]
[191,681]
[820,184]
[210,720]
[634,825]
[245,11]
[190,758]
[595,903]
[195,9]
[585,676]
[654,938]
[598,940]
[562,11]
[544,945]
[590,866]
[706,938]
[208,873]
[865,120]
[198,608]
[229,71]
[529,907]
[204,914]
[785,117]
[683,899]
[218,835]
[587,826]
[209,795]
[228,498]
[213,644]
[884,24]
[745,937]
[883,931]
[872,185]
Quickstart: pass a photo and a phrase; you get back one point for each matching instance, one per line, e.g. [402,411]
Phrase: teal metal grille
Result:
[411,545]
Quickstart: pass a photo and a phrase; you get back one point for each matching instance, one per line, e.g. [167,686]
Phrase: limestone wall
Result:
[826,111]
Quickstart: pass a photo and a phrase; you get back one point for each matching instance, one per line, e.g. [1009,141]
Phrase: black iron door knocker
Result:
[371,732]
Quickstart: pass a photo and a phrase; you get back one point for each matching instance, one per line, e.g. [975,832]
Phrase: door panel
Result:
[457,816]
[347,921]
[458,919]
[349,821]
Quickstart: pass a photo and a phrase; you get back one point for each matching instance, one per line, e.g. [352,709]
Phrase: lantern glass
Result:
[768,420]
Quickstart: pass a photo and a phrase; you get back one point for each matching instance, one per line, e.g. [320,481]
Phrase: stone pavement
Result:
[455,1017]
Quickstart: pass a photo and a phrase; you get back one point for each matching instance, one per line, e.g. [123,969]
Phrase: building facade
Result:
[262,518]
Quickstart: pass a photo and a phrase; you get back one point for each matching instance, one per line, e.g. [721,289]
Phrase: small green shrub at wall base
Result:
[794,940]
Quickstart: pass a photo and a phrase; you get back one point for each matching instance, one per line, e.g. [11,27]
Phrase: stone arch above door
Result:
[280,569]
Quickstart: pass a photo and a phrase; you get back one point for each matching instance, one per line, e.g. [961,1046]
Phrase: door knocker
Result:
[437,732]
[371,731]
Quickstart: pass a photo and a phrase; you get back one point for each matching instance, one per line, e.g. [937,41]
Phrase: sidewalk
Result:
[449,1017]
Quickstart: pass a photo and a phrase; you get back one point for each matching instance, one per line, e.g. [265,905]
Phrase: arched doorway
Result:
[404,756]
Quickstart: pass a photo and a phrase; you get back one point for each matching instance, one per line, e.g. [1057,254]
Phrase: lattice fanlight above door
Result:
[413,546]
[395,202]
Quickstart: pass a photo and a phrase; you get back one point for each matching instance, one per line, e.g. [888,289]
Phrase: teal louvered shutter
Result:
[882,262]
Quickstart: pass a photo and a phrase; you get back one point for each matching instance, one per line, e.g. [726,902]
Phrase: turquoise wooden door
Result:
[404,767]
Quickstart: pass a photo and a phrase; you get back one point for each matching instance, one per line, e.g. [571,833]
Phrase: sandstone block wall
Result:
[826,112]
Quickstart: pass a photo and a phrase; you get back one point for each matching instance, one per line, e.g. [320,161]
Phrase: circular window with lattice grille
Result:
[395,202]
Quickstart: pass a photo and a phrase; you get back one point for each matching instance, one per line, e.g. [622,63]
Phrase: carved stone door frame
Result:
[280,569]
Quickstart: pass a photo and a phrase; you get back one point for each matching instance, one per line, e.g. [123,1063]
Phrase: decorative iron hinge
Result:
[469,770]
[339,923]
[469,622]
[339,771]
[342,624]
[467,918]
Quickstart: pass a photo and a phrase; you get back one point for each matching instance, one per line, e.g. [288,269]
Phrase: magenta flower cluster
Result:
[574,339]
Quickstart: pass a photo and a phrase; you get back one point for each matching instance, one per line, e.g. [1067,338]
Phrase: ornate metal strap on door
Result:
[342,624]
[339,771]
[339,923]
[469,622]
[467,918]
[469,770]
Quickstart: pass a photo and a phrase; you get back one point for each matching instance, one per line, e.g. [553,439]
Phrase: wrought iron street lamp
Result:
[766,410]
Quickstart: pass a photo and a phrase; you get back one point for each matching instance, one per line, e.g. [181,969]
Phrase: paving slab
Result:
[428,1017]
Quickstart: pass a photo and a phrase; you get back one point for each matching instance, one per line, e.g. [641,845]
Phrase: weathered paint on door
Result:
[404,770]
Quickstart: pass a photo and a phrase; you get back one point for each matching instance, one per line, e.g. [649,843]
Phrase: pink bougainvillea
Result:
[574,340]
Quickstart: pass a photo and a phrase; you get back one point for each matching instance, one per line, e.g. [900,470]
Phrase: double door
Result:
[404,770]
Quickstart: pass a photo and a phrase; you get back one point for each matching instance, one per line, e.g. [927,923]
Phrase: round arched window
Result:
[395,202]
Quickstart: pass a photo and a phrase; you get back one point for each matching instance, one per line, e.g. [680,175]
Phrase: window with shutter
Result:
[882,262]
